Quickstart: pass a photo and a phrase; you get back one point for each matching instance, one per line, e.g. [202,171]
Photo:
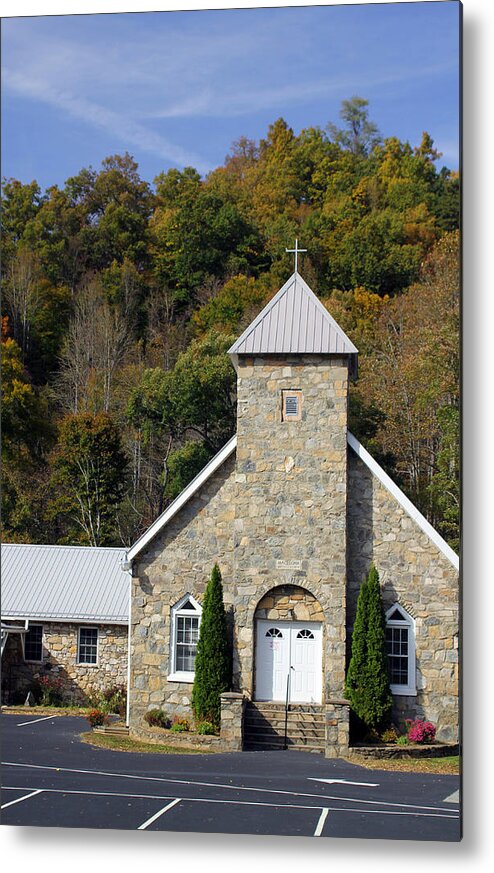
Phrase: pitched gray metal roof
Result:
[295,322]
[77,583]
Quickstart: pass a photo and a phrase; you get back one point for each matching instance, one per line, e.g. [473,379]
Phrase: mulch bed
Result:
[413,750]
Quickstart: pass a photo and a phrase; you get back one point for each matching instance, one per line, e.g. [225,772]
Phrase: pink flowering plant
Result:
[49,690]
[420,731]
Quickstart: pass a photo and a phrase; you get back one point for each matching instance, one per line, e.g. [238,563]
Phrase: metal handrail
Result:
[288,677]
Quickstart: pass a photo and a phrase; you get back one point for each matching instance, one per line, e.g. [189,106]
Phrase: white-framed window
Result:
[33,643]
[400,646]
[185,621]
[87,645]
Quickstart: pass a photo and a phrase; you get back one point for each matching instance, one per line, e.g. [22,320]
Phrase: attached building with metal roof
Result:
[64,583]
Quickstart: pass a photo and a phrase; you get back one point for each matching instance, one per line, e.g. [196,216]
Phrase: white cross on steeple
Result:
[295,251]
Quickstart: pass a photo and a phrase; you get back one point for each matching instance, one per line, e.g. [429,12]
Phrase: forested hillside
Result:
[120,299]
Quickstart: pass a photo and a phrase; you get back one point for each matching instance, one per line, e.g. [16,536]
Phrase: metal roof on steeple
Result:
[294,322]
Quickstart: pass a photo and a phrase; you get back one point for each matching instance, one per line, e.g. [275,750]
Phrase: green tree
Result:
[197,396]
[89,476]
[360,135]
[182,465]
[213,659]
[367,681]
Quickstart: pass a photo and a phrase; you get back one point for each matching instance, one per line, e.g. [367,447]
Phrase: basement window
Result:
[291,409]
[185,621]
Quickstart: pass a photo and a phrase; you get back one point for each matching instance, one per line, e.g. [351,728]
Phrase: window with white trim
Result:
[185,621]
[400,646]
[33,643]
[87,648]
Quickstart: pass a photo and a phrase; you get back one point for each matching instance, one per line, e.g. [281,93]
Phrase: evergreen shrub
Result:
[367,682]
[213,659]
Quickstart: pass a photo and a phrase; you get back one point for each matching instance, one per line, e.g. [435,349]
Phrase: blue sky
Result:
[177,88]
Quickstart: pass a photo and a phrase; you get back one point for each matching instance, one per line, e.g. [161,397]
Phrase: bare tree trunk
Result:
[22,295]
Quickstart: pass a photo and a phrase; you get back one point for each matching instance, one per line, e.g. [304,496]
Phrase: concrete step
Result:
[257,746]
[275,736]
[293,718]
[279,723]
[264,727]
[113,730]
[263,706]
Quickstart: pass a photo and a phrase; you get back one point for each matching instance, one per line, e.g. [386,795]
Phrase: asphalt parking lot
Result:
[51,779]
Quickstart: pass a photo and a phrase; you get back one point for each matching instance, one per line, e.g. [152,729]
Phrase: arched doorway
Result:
[288,627]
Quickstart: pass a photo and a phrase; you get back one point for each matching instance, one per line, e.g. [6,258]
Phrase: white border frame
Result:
[409,690]
[175,611]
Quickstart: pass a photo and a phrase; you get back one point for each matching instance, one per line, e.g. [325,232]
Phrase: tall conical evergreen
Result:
[213,660]
[367,682]
[355,678]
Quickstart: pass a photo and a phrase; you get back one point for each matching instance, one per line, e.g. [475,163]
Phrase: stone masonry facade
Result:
[177,562]
[415,574]
[294,519]
[265,516]
[290,499]
[59,659]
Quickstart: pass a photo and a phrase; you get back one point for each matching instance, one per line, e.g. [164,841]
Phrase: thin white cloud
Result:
[131,132]
[231,103]
[128,80]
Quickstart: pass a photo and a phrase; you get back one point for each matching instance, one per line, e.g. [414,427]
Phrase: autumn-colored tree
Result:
[413,374]
[175,271]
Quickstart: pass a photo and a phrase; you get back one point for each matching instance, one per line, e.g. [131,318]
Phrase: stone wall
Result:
[178,561]
[290,499]
[60,661]
[415,573]
[289,602]
[337,721]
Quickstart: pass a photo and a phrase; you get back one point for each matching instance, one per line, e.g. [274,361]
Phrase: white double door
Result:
[289,649]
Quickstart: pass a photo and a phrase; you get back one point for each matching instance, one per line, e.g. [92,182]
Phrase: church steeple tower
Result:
[293,364]
[295,322]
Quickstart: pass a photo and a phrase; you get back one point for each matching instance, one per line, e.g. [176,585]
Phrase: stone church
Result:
[294,511]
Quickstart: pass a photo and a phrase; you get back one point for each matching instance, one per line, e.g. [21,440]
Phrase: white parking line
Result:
[34,720]
[230,787]
[449,814]
[158,814]
[320,823]
[20,799]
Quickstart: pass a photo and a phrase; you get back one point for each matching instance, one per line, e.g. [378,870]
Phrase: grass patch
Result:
[127,744]
[449,766]
[45,710]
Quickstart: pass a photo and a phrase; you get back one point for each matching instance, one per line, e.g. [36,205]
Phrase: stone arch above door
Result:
[289,602]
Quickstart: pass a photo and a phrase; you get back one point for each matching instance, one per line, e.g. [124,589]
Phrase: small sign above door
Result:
[288,565]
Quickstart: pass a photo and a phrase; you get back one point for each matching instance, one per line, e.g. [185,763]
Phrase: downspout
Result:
[126,566]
